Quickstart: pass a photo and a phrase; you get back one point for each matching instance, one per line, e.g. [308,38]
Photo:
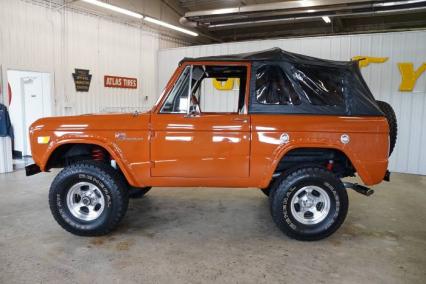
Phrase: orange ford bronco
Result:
[289,124]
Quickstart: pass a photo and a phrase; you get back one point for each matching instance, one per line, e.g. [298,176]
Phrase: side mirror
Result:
[193,111]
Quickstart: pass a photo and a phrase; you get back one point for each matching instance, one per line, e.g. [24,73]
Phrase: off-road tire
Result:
[393,125]
[277,181]
[137,192]
[110,184]
[284,192]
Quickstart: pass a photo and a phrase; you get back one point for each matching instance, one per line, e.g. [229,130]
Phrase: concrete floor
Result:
[213,235]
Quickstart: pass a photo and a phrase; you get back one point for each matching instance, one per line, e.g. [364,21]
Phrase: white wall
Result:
[214,100]
[383,79]
[35,38]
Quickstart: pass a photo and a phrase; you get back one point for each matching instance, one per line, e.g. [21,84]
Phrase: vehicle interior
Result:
[212,88]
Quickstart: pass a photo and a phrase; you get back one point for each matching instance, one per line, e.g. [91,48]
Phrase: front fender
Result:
[113,149]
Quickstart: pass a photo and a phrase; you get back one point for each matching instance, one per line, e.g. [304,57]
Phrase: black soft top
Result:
[273,54]
[291,83]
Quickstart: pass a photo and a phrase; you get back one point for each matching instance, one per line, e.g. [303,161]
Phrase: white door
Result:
[30,100]
[33,105]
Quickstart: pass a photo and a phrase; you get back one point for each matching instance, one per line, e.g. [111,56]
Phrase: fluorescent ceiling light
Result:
[305,3]
[398,3]
[326,19]
[114,8]
[139,16]
[166,25]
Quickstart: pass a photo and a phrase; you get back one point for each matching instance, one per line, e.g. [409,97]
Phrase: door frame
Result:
[51,92]
[157,109]
[179,70]
[31,69]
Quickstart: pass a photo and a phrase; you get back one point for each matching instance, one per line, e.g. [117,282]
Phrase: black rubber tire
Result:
[138,192]
[276,181]
[393,124]
[288,186]
[111,186]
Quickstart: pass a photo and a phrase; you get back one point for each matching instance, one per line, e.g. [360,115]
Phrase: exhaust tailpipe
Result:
[359,188]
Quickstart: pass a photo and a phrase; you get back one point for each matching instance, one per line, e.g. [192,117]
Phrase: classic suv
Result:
[289,124]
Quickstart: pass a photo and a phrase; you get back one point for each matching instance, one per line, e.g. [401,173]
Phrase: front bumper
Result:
[32,170]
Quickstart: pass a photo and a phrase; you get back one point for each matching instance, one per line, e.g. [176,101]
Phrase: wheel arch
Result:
[61,151]
[312,154]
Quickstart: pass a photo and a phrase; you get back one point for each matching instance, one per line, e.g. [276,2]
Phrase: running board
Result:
[359,188]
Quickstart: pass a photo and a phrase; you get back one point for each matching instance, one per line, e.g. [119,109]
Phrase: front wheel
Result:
[88,198]
[309,204]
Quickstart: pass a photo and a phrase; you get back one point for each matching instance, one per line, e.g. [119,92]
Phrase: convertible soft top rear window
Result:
[274,88]
[322,86]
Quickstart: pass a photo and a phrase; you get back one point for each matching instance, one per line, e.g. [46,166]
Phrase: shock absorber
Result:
[330,165]
[98,154]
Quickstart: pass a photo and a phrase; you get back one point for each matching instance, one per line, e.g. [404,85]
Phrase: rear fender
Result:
[284,149]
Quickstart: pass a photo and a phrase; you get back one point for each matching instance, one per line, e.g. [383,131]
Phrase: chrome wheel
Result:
[310,205]
[85,201]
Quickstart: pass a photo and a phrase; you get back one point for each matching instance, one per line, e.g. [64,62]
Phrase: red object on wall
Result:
[120,82]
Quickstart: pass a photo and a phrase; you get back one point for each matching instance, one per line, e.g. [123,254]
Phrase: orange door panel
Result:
[205,146]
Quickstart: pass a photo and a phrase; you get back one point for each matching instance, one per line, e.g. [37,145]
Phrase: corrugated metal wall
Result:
[36,38]
[383,79]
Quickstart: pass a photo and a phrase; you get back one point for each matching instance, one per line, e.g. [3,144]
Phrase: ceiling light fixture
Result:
[326,19]
[139,16]
[170,26]
[399,3]
[114,8]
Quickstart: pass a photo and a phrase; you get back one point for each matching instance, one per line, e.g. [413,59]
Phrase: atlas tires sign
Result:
[120,82]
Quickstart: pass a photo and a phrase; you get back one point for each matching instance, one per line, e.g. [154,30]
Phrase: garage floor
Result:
[213,235]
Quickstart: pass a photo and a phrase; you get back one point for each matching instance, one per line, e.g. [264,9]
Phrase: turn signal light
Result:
[43,139]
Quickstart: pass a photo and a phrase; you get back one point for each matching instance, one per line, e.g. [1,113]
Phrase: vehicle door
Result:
[202,129]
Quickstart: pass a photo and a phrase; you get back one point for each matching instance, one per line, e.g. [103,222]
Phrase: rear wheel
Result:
[309,204]
[88,198]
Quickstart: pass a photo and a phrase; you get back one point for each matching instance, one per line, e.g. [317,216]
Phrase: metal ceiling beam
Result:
[313,17]
[261,14]
[285,5]
[321,31]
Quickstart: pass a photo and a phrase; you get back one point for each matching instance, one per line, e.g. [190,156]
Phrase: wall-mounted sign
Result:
[120,82]
[82,80]
[409,74]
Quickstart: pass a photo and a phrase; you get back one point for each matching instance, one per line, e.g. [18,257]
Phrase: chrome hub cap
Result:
[310,205]
[85,201]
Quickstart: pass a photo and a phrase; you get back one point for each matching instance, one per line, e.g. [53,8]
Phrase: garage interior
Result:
[205,235]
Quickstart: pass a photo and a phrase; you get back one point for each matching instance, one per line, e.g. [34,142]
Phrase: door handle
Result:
[243,120]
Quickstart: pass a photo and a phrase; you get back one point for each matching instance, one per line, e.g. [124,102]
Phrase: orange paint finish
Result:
[131,152]
[221,149]
[310,131]
[211,145]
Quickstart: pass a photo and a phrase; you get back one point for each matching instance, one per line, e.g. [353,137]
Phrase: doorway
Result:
[29,99]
